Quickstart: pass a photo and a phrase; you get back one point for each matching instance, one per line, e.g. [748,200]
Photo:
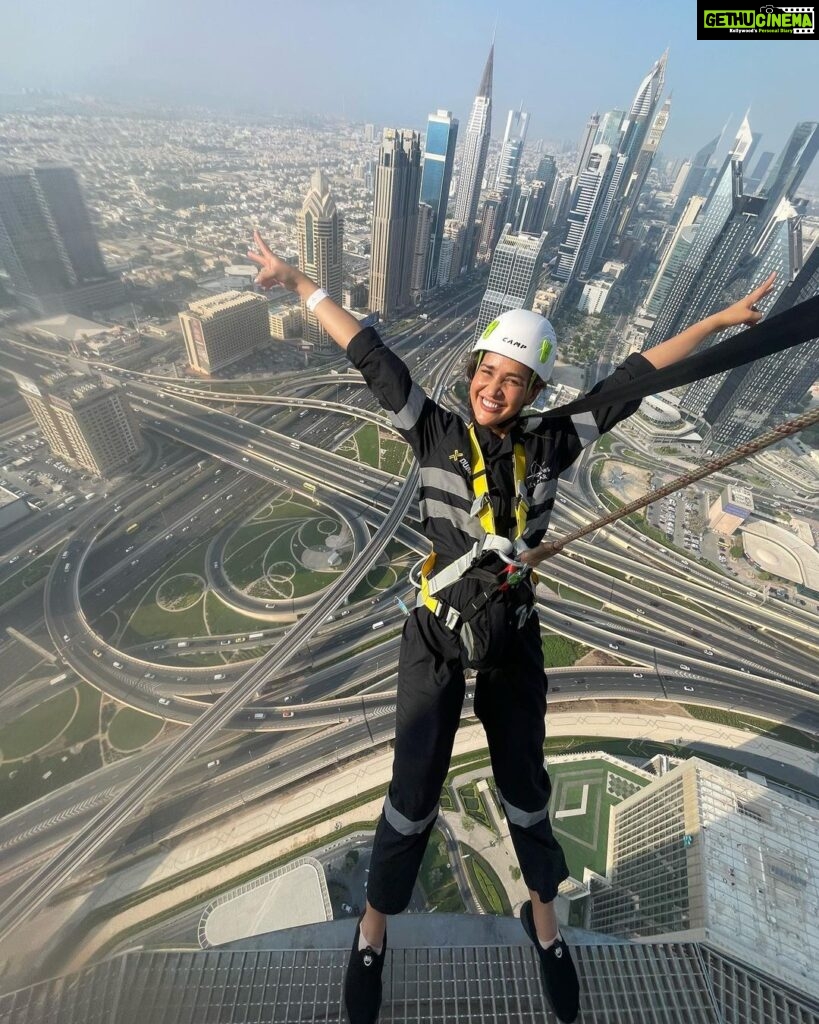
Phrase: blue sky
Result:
[392,62]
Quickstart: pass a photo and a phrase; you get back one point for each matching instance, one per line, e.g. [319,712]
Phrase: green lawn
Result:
[584,838]
[560,651]
[474,804]
[436,877]
[485,883]
[783,732]
[38,727]
[86,721]
[130,729]
[225,620]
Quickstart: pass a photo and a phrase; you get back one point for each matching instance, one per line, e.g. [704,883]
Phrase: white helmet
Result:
[525,336]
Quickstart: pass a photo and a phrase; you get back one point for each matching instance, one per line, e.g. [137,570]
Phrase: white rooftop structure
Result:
[293,895]
[780,551]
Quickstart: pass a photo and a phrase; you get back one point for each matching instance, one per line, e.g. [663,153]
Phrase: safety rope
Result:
[549,548]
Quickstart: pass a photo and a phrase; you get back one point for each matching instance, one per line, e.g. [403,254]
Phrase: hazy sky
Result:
[393,61]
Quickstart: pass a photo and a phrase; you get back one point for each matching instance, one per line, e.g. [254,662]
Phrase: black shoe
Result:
[362,983]
[556,970]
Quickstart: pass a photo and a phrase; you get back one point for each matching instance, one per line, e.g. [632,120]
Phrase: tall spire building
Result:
[395,221]
[700,176]
[473,160]
[588,140]
[321,245]
[436,178]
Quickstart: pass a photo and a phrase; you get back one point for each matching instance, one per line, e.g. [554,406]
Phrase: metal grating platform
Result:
[445,983]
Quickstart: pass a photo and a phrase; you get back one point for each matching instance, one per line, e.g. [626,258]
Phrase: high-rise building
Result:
[513,276]
[609,130]
[395,220]
[753,181]
[632,132]
[558,205]
[584,147]
[585,199]
[85,422]
[223,328]
[699,178]
[709,855]
[511,152]
[642,166]
[436,178]
[369,132]
[749,399]
[674,257]
[730,509]
[421,251]
[490,225]
[473,160]
[712,220]
[451,248]
[48,244]
[532,204]
[321,252]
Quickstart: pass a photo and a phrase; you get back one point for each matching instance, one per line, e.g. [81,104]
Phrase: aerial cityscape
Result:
[224,504]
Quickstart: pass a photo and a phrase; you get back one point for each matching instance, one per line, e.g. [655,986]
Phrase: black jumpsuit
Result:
[510,699]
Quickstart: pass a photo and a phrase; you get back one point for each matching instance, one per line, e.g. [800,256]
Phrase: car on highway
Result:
[614,647]
[637,675]
[117,664]
[224,643]
[288,714]
[685,668]
[689,689]
[245,459]
[708,651]
[164,700]
[97,652]
[134,561]
[215,763]
[218,676]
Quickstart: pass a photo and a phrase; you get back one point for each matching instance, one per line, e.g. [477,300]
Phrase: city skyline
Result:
[136,58]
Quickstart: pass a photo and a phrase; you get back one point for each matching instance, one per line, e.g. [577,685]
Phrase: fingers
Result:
[256,258]
[260,242]
[763,289]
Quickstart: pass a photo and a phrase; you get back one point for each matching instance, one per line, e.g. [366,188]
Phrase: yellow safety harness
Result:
[482,508]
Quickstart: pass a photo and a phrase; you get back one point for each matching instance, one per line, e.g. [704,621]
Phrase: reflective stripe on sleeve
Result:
[586,426]
[406,418]
[523,819]
[406,826]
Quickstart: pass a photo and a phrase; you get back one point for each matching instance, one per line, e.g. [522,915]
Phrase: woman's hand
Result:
[273,269]
[745,311]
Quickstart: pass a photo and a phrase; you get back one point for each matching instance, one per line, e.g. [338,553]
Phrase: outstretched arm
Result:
[338,323]
[682,345]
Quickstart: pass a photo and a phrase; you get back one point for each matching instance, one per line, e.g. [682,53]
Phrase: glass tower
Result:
[436,178]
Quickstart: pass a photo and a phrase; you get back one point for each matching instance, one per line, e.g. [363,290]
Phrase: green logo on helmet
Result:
[489,328]
[545,349]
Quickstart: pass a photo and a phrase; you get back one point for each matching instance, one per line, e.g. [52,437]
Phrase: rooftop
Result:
[448,968]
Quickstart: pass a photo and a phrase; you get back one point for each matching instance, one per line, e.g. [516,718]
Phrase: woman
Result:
[486,493]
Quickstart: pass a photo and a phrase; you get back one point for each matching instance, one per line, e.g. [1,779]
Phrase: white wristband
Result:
[315,299]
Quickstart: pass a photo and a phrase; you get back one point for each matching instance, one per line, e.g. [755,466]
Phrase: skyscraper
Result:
[223,328]
[321,251]
[642,165]
[558,205]
[421,251]
[609,130]
[674,257]
[712,220]
[530,210]
[473,160]
[584,147]
[584,201]
[85,422]
[506,177]
[491,225]
[436,178]
[48,244]
[705,853]
[513,276]
[749,399]
[395,219]
[699,178]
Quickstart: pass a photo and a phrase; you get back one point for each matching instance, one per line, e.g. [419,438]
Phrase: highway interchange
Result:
[721,648]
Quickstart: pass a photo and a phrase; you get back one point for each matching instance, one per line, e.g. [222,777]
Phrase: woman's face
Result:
[498,390]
